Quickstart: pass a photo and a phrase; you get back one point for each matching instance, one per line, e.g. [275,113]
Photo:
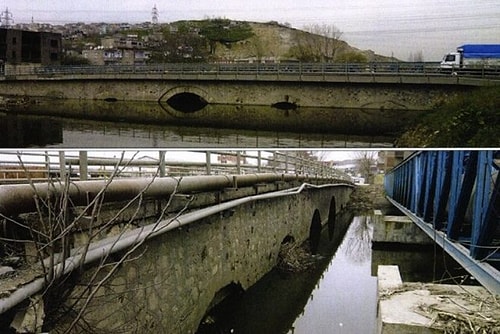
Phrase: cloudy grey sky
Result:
[389,27]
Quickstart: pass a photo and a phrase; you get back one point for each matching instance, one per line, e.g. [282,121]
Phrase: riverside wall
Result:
[171,281]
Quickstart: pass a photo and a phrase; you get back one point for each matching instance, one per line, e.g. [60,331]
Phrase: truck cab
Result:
[452,60]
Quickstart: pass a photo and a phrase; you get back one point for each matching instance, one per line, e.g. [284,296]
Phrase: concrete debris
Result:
[439,308]
[6,272]
[30,320]
[12,261]
[434,308]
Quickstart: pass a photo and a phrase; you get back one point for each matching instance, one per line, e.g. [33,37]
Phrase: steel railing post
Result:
[208,163]
[47,163]
[286,162]
[162,163]
[238,162]
[259,161]
[62,165]
[83,165]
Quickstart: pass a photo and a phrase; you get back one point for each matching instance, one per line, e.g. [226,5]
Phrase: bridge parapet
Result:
[383,72]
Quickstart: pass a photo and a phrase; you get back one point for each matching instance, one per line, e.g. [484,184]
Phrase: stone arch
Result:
[223,299]
[315,231]
[184,100]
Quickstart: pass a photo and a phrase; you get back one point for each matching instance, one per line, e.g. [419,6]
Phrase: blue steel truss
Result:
[454,196]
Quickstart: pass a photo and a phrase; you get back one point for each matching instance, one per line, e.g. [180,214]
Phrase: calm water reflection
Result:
[50,131]
[83,123]
[345,298]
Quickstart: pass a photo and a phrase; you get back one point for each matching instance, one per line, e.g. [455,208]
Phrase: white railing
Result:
[39,166]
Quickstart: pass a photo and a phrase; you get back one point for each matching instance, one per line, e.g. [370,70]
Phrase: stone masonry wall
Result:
[305,94]
[174,278]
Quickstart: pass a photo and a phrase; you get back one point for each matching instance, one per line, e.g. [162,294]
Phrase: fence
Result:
[39,166]
[221,69]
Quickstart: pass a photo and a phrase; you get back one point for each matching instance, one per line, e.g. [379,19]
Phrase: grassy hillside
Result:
[272,41]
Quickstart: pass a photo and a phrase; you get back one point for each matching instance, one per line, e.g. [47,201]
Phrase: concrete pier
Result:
[427,308]
[417,308]
[397,229]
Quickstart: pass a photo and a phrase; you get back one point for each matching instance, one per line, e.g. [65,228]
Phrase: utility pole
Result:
[6,19]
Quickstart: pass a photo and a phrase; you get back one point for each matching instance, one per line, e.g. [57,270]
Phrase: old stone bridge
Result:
[153,254]
[293,94]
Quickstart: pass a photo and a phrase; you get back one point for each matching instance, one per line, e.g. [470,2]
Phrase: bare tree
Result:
[357,242]
[51,234]
[325,46]
[417,56]
[321,155]
[364,162]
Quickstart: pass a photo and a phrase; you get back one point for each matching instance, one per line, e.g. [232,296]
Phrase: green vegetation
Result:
[469,120]
[352,57]
[224,31]
[196,41]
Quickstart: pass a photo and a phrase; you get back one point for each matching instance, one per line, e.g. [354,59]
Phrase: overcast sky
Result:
[389,27]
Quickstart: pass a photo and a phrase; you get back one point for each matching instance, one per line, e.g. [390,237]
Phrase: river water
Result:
[61,123]
[57,132]
[345,297]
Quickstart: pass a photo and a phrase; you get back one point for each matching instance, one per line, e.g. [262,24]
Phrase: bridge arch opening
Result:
[315,232]
[332,216]
[285,105]
[221,305]
[184,99]
[187,102]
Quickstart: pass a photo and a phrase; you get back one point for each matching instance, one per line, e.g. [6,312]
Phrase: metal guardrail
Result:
[257,69]
[39,166]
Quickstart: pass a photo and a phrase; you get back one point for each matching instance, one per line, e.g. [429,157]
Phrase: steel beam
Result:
[454,196]
[485,274]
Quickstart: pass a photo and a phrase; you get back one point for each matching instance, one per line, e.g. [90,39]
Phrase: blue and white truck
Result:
[472,56]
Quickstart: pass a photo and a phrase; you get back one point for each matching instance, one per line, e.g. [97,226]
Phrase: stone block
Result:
[426,308]
[399,229]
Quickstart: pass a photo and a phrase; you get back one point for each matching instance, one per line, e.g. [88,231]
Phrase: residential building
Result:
[389,159]
[118,50]
[23,46]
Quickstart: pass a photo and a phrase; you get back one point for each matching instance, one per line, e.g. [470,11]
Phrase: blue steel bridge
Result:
[454,197]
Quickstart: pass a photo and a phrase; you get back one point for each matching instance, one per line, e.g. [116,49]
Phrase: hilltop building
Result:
[122,50]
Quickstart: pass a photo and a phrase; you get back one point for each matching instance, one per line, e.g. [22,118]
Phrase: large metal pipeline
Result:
[15,199]
[98,250]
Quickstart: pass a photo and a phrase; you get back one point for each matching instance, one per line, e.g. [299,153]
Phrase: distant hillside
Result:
[272,41]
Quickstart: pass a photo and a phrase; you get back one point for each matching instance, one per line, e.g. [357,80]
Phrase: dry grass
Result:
[293,258]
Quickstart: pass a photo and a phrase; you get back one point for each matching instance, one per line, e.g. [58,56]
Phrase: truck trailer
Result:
[472,56]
